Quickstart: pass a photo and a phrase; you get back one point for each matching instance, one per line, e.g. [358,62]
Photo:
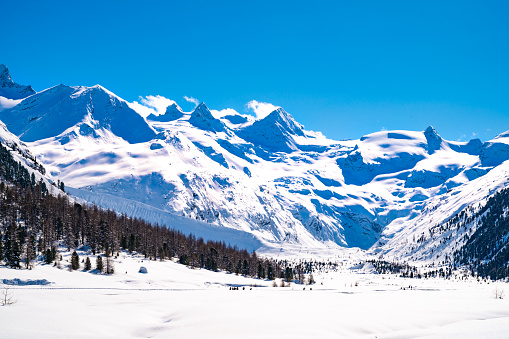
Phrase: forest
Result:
[486,251]
[34,224]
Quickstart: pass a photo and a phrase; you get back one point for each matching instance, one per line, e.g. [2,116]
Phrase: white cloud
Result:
[261,109]
[192,100]
[224,112]
[151,105]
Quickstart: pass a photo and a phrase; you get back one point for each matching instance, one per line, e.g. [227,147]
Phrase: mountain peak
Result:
[434,140]
[430,130]
[201,109]
[4,74]
[173,112]
[203,119]
[276,131]
[51,112]
[285,121]
[11,90]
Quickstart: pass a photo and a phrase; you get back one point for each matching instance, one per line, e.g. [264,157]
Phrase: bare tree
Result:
[7,297]
[498,293]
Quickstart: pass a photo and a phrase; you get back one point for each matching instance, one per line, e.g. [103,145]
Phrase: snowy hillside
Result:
[269,178]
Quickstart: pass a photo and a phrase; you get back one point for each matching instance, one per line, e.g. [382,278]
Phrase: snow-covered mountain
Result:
[269,178]
[65,112]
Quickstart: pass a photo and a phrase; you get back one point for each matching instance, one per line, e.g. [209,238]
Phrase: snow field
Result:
[172,300]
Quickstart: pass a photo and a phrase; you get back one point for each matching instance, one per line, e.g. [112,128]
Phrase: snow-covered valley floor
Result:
[175,301]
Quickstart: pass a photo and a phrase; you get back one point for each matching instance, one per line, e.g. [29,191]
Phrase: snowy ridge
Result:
[416,239]
[269,178]
[11,90]
[173,112]
[52,112]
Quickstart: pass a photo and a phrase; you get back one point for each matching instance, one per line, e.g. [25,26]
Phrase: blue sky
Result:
[346,68]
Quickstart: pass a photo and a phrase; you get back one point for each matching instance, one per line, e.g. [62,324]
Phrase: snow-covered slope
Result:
[426,236]
[21,154]
[269,177]
[68,111]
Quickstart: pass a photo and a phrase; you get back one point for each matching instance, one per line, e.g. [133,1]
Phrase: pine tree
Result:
[88,264]
[260,271]
[12,249]
[1,247]
[288,274]
[31,252]
[270,274]
[99,263]
[109,263]
[48,257]
[15,258]
[75,261]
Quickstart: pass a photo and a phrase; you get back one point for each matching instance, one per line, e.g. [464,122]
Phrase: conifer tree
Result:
[261,273]
[88,264]
[48,257]
[30,252]
[1,247]
[15,258]
[75,261]
[270,273]
[109,263]
[12,249]
[288,274]
[99,263]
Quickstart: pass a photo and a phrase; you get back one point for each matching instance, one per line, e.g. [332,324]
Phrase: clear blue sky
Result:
[346,68]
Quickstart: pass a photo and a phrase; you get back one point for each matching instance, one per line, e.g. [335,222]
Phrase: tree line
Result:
[486,251]
[34,223]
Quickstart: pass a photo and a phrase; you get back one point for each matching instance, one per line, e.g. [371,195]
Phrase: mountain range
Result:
[256,183]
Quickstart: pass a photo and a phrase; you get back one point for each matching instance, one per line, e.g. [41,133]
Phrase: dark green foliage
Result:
[1,246]
[487,250]
[132,243]
[109,263]
[49,220]
[386,267]
[270,273]
[245,268]
[261,271]
[12,248]
[13,171]
[183,259]
[88,264]
[49,256]
[31,252]
[75,261]
[288,274]
[99,264]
